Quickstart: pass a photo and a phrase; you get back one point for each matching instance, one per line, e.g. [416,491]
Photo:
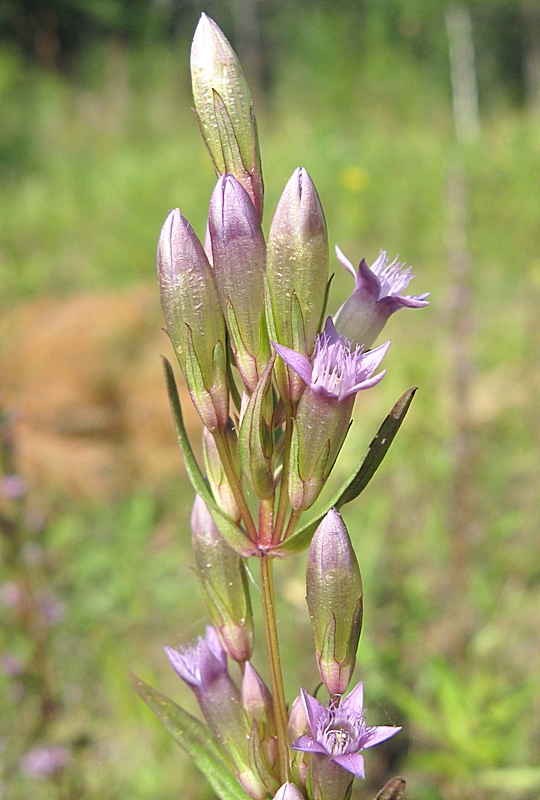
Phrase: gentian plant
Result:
[274,381]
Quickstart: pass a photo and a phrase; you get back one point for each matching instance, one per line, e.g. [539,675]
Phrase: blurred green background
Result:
[432,157]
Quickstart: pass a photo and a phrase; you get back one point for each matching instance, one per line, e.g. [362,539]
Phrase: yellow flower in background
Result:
[354,178]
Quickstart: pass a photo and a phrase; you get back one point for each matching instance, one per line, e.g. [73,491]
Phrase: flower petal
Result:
[379,734]
[297,361]
[314,710]
[308,745]
[344,261]
[353,763]
[372,359]
[354,700]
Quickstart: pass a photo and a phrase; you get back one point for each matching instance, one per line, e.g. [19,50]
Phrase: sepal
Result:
[255,439]
[219,484]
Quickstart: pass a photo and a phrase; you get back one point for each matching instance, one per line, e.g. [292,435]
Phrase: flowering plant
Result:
[272,432]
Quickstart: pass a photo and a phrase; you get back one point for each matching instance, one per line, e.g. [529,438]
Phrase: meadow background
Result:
[97,142]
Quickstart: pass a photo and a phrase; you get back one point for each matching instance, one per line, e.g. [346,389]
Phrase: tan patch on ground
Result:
[84,379]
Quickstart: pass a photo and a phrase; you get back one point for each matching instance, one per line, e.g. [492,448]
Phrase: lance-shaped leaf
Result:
[232,533]
[195,739]
[254,440]
[359,479]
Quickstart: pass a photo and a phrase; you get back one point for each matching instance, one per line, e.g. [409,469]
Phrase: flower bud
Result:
[194,320]
[259,708]
[225,110]
[224,583]
[334,598]
[239,260]
[297,274]
[298,726]
[289,792]
[219,483]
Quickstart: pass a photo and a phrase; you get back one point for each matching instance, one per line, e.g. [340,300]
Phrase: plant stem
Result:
[274,664]
[283,494]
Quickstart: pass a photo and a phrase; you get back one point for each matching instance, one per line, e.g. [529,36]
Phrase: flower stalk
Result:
[275,390]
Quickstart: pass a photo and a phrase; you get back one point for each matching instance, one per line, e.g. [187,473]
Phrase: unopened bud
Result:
[194,320]
[297,273]
[334,598]
[219,483]
[299,726]
[257,703]
[225,109]
[224,583]
[289,792]
[239,260]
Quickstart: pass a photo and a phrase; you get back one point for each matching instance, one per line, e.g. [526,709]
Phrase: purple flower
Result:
[339,732]
[376,295]
[44,760]
[337,369]
[201,663]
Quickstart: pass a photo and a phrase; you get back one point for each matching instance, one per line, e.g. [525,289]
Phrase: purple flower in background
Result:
[44,760]
[337,369]
[376,295]
[340,731]
[12,487]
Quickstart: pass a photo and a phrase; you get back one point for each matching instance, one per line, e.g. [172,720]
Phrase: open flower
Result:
[339,732]
[376,295]
[336,372]
[337,368]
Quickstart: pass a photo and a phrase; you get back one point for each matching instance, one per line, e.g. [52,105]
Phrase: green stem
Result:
[274,664]
[283,502]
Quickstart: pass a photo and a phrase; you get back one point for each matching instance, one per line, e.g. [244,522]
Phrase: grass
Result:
[449,647]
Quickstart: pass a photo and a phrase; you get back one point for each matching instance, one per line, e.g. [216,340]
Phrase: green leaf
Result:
[358,480]
[195,739]
[233,535]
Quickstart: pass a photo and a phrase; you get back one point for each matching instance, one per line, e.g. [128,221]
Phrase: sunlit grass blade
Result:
[195,739]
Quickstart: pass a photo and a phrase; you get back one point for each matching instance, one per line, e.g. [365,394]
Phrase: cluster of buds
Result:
[274,381]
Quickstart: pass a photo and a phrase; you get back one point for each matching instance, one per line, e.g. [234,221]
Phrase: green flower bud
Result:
[225,110]
[221,488]
[259,709]
[194,320]
[297,274]
[224,583]
[334,598]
